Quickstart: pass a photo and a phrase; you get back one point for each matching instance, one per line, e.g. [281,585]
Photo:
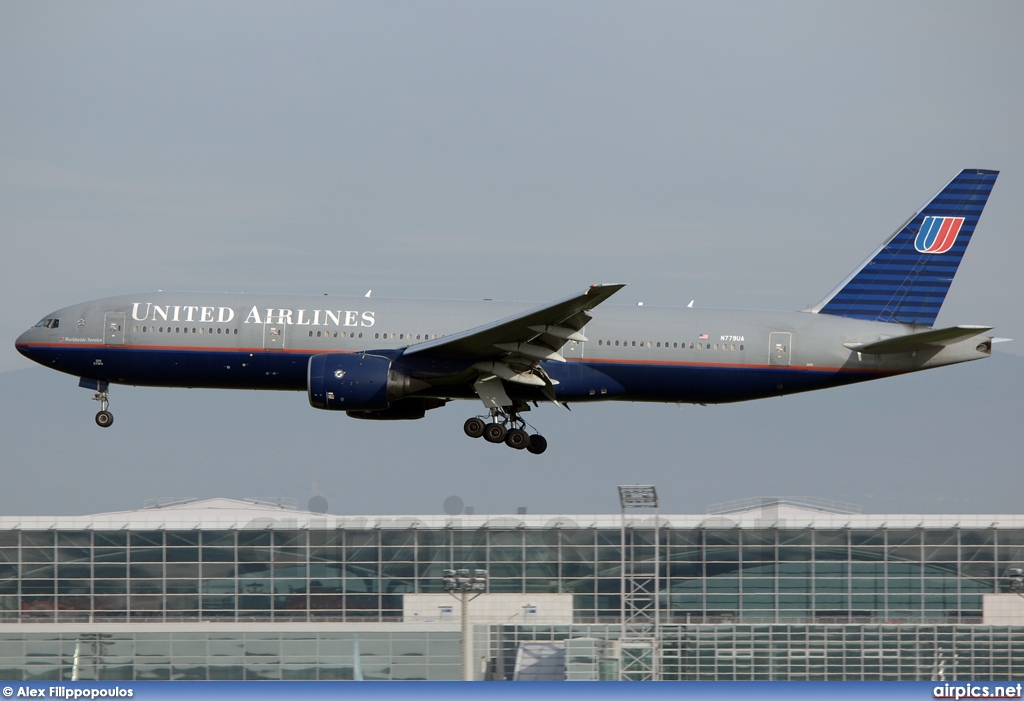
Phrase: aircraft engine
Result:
[356,382]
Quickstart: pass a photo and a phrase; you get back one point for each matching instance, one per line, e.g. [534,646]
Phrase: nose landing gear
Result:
[508,427]
[103,417]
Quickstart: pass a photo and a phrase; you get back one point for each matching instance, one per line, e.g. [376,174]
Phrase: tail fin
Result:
[905,281]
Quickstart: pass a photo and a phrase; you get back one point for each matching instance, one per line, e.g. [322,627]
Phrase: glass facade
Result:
[232,590]
[728,575]
[801,652]
[154,655]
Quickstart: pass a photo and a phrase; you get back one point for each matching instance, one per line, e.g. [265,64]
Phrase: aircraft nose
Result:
[22,344]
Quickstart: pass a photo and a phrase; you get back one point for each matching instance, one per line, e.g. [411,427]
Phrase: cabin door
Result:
[113,328]
[779,347]
[273,336]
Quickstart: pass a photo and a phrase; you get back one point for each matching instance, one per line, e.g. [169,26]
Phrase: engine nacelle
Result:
[344,381]
[356,382]
[401,410]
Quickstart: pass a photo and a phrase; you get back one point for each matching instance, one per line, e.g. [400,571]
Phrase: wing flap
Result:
[919,341]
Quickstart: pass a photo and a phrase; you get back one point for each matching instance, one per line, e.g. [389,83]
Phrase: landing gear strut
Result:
[103,417]
[506,426]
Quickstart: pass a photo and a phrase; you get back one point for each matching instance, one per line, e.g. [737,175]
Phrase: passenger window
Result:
[136,329]
[700,346]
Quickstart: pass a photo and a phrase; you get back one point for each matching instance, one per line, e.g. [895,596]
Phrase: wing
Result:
[513,348]
[545,329]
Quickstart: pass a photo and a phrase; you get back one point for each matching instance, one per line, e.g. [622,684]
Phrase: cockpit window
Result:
[48,323]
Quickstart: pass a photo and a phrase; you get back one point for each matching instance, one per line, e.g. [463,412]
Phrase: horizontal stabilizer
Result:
[919,341]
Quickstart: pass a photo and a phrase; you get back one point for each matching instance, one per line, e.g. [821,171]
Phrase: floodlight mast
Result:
[639,588]
[465,586]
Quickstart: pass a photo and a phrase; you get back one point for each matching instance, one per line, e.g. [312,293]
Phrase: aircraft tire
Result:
[474,427]
[494,433]
[538,444]
[104,419]
[517,438]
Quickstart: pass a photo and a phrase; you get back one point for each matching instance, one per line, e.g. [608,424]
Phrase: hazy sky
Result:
[738,154]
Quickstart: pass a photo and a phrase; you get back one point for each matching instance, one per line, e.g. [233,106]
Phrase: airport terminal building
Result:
[762,589]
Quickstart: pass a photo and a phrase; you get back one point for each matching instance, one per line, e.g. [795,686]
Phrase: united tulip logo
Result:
[937,234]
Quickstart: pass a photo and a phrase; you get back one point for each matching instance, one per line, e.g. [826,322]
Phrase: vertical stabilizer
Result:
[906,280]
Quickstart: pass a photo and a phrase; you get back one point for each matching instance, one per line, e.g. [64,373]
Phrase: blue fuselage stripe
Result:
[578,380]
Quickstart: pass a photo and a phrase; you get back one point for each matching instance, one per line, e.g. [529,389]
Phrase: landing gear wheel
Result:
[474,427]
[538,444]
[104,419]
[517,438]
[494,433]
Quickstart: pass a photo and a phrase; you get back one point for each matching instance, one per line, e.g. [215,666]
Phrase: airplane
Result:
[393,359]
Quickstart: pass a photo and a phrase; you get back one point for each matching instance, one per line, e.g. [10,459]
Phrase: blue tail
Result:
[906,280]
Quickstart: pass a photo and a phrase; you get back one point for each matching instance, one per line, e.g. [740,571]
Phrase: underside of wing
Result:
[512,349]
[536,334]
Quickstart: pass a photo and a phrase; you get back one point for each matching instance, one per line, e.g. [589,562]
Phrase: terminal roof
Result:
[212,514]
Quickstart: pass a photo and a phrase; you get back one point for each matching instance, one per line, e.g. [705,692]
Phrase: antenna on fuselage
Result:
[368,293]
[690,305]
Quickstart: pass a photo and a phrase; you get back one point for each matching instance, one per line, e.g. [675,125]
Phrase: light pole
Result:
[465,587]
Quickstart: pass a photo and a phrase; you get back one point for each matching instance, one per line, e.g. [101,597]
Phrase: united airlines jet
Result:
[397,359]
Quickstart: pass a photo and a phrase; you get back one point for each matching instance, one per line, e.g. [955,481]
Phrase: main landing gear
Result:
[103,417]
[505,426]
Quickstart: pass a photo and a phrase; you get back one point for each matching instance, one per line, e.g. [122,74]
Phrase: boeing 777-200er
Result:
[396,359]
